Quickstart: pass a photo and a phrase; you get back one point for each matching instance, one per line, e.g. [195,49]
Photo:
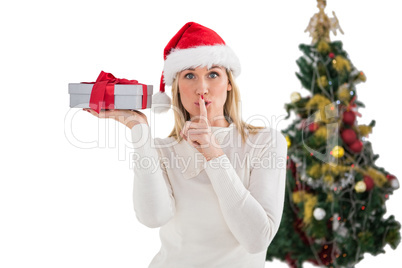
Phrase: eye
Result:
[189,76]
[213,75]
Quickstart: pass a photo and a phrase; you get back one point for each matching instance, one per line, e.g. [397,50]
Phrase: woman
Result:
[216,185]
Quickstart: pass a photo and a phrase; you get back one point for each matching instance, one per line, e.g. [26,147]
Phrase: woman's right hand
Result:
[129,118]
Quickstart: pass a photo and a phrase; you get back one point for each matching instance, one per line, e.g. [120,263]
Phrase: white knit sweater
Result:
[218,213]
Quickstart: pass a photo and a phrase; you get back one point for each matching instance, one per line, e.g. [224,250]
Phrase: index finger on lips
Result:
[203,110]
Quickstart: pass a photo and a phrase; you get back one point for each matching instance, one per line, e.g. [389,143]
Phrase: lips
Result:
[206,103]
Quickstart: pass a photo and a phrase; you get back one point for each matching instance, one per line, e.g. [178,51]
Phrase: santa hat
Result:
[192,46]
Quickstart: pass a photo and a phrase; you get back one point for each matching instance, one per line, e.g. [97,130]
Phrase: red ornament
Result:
[348,136]
[331,55]
[369,183]
[349,117]
[313,127]
[356,146]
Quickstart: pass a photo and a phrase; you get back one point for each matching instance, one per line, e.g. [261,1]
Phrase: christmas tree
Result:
[335,194]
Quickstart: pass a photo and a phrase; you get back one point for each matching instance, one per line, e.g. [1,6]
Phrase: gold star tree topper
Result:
[320,24]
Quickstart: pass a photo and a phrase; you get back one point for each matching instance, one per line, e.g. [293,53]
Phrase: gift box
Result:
[109,92]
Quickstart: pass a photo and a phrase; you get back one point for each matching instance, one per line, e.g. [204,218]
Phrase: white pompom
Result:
[319,214]
[161,102]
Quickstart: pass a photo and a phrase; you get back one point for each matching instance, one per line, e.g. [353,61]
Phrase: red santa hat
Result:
[192,46]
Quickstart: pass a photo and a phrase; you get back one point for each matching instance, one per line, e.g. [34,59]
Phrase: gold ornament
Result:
[288,141]
[360,187]
[338,151]
[295,97]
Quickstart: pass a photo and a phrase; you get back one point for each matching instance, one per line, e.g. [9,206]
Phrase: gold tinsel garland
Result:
[321,132]
[344,93]
[364,130]
[309,201]
[340,64]
[318,101]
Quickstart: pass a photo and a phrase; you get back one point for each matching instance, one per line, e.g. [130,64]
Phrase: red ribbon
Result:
[352,105]
[102,95]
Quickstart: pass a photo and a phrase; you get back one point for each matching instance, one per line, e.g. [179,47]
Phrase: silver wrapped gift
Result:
[126,96]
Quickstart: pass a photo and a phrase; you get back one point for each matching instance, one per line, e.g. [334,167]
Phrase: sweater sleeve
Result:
[253,215]
[154,204]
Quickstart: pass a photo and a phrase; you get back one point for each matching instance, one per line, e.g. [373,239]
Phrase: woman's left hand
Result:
[198,134]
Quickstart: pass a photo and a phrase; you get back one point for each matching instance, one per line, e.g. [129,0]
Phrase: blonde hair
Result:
[231,110]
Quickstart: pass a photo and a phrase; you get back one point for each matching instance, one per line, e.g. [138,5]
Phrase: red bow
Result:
[353,105]
[102,95]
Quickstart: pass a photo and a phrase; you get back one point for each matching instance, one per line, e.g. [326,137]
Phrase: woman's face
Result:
[212,83]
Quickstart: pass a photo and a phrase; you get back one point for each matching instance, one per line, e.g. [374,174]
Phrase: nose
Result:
[202,86]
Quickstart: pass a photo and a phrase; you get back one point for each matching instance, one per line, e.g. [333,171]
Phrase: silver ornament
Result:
[319,214]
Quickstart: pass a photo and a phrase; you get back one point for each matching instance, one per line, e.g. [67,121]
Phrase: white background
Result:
[66,181]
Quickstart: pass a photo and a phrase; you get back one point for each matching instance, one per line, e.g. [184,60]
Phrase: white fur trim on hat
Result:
[181,59]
